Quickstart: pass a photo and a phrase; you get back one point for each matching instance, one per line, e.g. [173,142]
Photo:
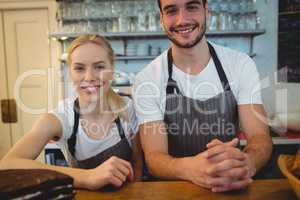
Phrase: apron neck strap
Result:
[172,86]
[120,128]
[72,140]
[219,68]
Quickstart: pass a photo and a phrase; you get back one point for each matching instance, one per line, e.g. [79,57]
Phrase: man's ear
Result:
[161,20]
[207,11]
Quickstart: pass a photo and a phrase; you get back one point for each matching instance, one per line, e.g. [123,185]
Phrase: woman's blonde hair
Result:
[115,101]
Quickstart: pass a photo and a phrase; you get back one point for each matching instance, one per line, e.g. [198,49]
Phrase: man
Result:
[194,99]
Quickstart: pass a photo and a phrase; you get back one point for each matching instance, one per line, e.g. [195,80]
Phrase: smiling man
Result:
[194,99]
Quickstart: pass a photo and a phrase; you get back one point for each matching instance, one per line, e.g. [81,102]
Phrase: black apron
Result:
[192,124]
[121,150]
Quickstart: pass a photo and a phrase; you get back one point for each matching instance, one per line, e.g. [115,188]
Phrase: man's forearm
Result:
[259,149]
[164,166]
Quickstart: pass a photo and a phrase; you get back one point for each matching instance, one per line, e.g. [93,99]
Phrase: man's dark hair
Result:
[159,4]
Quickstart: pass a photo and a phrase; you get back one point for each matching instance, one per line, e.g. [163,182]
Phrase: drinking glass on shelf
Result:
[115,25]
[250,5]
[109,25]
[107,9]
[133,24]
[123,23]
[243,6]
[66,9]
[116,8]
[101,26]
[115,11]
[142,16]
[258,22]
[124,17]
[235,9]
[242,24]
[223,16]
[214,16]
[251,21]
[152,21]
[99,9]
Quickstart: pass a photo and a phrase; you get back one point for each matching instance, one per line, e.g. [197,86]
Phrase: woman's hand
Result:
[113,171]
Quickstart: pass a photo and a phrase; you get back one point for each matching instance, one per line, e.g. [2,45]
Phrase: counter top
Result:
[278,189]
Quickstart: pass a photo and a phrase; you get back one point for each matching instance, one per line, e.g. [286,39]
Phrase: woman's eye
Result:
[100,67]
[78,68]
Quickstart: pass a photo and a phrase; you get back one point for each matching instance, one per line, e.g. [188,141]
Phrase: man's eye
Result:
[192,7]
[170,11]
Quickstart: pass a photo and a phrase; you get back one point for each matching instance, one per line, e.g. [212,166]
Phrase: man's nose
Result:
[182,16]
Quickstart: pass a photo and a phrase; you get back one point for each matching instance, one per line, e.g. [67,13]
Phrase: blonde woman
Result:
[97,130]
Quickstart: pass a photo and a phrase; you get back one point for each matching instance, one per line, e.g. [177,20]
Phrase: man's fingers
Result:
[240,184]
[225,165]
[220,148]
[218,181]
[233,143]
[236,173]
[231,154]
[213,143]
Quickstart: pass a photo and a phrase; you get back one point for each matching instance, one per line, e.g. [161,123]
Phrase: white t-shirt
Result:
[150,84]
[87,147]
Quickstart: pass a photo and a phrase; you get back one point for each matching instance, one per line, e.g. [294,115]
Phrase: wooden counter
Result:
[274,189]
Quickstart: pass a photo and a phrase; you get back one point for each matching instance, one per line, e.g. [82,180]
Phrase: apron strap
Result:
[120,128]
[219,68]
[72,139]
[171,85]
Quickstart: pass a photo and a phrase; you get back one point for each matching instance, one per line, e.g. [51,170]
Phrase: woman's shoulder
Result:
[132,119]
[128,103]
[65,113]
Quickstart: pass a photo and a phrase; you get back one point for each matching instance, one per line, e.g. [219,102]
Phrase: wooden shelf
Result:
[135,57]
[124,58]
[159,34]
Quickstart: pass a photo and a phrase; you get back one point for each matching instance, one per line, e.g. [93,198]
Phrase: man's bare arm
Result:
[259,143]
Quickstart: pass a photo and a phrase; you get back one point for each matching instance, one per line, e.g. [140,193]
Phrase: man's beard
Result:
[191,44]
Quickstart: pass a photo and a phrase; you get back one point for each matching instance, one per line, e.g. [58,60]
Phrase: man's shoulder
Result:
[155,69]
[233,60]
[226,52]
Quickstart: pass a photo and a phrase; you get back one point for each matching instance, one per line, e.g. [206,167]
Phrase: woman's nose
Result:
[89,75]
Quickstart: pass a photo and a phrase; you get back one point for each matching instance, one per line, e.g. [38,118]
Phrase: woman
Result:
[95,130]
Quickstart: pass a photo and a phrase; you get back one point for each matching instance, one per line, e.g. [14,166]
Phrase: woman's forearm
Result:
[79,175]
